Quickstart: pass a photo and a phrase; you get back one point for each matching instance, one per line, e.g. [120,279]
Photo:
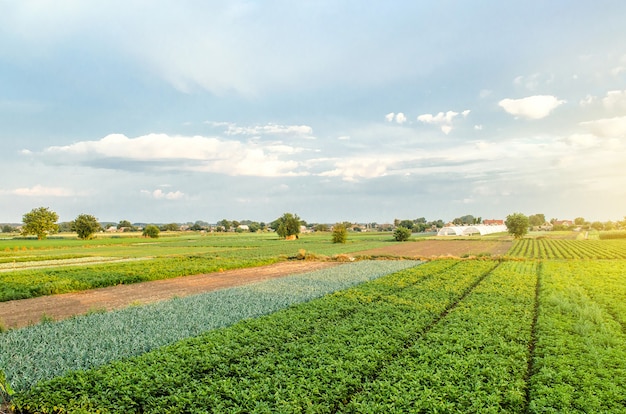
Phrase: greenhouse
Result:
[481,229]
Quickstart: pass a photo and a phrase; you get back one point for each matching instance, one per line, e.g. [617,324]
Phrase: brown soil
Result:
[19,313]
[438,248]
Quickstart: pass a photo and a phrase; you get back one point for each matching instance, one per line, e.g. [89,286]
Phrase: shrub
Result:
[151,231]
[340,233]
[402,234]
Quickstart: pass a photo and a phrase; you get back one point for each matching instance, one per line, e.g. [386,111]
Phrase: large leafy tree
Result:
[85,225]
[517,225]
[40,222]
[287,225]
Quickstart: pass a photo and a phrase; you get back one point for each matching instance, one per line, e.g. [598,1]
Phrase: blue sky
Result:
[155,111]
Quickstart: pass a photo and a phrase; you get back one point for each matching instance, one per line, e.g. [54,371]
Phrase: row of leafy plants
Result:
[579,363]
[475,360]
[568,249]
[311,357]
[47,350]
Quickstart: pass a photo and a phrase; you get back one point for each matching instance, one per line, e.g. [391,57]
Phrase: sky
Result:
[362,111]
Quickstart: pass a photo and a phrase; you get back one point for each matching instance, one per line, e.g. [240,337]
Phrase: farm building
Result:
[481,229]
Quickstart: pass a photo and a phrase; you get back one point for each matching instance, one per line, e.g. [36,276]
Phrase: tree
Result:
[287,225]
[401,234]
[225,224]
[7,229]
[579,221]
[467,219]
[126,226]
[171,227]
[340,233]
[536,220]
[321,227]
[85,226]
[407,224]
[151,231]
[597,225]
[40,222]
[517,225]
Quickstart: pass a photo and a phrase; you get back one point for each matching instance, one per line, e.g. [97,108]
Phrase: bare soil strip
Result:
[20,313]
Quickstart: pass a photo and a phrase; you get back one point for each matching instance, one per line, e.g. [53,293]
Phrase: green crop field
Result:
[30,268]
[542,329]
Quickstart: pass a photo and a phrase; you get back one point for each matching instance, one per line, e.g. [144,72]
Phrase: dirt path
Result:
[19,313]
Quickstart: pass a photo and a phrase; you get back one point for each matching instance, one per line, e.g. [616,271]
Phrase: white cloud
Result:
[42,191]
[444,120]
[608,127]
[271,129]
[615,100]
[160,194]
[400,118]
[532,107]
[179,153]
[478,127]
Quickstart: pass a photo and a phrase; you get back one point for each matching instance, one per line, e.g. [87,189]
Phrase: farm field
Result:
[31,268]
[516,333]
[433,248]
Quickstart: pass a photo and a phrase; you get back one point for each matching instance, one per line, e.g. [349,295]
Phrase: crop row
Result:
[475,360]
[308,358]
[579,362]
[47,350]
[569,249]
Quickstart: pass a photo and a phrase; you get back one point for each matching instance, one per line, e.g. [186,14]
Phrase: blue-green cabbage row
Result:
[47,350]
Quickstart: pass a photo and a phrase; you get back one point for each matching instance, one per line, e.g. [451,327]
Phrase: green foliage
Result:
[401,234]
[580,355]
[171,227]
[35,353]
[536,220]
[517,225]
[85,226]
[151,231]
[5,388]
[340,233]
[287,225]
[40,222]
[568,249]
[126,225]
[314,355]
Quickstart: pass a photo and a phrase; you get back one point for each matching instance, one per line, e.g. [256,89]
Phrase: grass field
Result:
[541,329]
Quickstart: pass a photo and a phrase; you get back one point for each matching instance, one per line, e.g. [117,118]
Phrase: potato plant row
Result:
[569,249]
[311,357]
[474,361]
[579,361]
[47,350]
